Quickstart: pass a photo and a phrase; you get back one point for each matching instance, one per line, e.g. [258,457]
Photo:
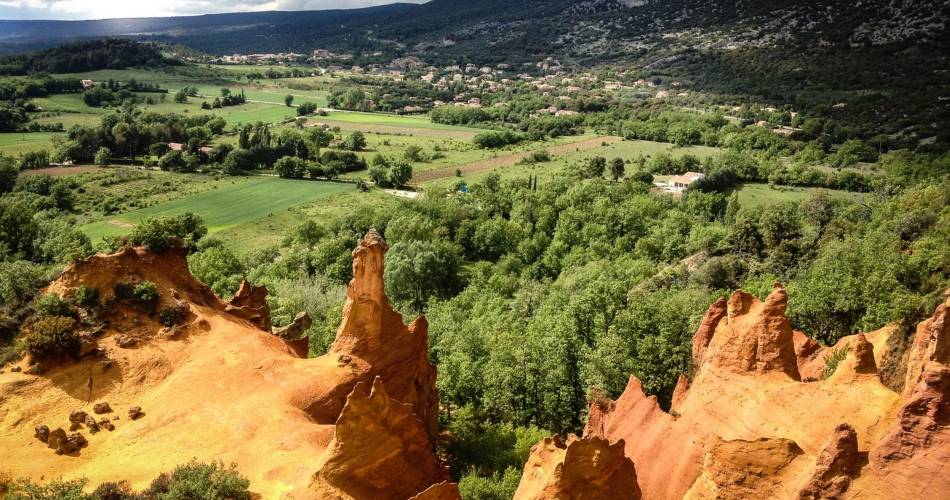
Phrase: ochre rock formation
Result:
[373,341]
[220,387]
[586,468]
[380,449]
[250,303]
[838,463]
[757,421]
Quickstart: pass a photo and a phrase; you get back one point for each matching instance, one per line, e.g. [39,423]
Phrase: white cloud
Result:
[105,9]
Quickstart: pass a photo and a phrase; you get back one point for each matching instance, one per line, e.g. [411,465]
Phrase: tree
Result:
[291,167]
[355,141]
[8,175]
[181,97]
[616,168]
[400,172]
[288,100]
[596,167]
[103,156]
[379,174]
[238,162]
[306,108]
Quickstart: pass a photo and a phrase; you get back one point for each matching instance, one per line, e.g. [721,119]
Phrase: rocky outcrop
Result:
[372,341]
[838,463]
[380,449]
[274,412]
[741,469]
[707,328]
[755,336]
[250,303]
[578,469]
[296,329]
[746,426]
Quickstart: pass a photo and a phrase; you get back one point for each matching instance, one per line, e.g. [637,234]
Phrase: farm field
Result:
[17,143]
[225,207]
[757,195]
[565,157]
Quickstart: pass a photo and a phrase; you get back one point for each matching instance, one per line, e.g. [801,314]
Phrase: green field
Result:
[17,143]
[757,195]
[225,207]
[390,120]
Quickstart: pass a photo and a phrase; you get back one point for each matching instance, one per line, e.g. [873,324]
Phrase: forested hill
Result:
[579,31]
[85,56]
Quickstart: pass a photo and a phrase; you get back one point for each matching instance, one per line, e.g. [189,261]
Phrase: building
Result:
[679,183]
[175,146]
[88,84]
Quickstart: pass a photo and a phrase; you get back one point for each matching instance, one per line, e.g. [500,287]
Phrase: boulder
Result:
[64,444]
[100,408]
[41,432]
[78,416]
[135,412]
[91,424]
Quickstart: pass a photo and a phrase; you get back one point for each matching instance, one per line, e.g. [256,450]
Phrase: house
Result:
[175,146]
[88,84]
[205,150]
[679,183]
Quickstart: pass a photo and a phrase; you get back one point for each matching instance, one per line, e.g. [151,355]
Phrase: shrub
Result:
[51,304]
[172,315]
[57,489]
[200,480]
[114,491]
[145,293]
[832,360]
[87,297]
[495,487]
[492,140]
[51,335]
[160,234]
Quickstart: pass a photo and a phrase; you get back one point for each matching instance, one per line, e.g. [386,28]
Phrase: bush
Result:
[51,335]
[832,360]
[86,297]
[492,140]
[160,234]
[57,489]
[114,491]
[145,293]
[172,315]
[103,156]
[496,487]
[200,480]
[51,305]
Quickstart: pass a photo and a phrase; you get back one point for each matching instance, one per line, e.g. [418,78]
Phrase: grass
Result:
[225,207]
[390,120]
[627,150]
[757,195]
[17,143]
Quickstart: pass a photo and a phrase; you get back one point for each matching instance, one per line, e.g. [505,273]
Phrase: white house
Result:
[679,183]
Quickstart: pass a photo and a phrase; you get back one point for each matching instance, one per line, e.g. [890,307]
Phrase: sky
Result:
[105,9]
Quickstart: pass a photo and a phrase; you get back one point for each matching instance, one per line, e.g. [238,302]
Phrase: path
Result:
[510,159]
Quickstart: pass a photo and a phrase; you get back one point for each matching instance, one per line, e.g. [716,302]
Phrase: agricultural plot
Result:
[757,195]
[564,156]
[225,207]
[17,143]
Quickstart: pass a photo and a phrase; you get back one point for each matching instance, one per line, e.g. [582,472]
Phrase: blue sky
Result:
[104,9]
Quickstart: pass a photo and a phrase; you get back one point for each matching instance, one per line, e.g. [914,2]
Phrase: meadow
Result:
[226,206]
